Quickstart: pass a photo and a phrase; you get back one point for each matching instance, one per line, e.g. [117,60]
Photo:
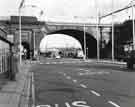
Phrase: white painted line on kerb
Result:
[75,81]
[94,92]
[82,85]
[114,104]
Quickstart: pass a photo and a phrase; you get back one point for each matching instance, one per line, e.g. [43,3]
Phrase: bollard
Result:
[12,67]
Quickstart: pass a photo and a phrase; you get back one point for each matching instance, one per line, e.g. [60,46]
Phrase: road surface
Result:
[75,83]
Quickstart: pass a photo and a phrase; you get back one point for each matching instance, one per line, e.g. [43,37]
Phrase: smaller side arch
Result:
[26,46]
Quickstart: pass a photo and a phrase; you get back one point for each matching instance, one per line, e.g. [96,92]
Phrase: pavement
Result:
[17,93]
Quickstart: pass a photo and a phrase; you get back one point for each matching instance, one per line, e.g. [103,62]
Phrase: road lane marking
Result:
[94,92]
[68,77]
[82,85]
[33,90]
[81,69]
[75,81]
[86,70]
[41,63]
[114,104]
[93,73]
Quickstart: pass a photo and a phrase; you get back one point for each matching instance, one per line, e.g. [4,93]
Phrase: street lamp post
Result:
[84,37]
[84,29]
[34,46]
[133,23]
[112,33]
[20,37]
[20,28]
[98,35]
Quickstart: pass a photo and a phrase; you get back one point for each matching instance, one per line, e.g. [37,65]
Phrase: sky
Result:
[58,41]
[65,10]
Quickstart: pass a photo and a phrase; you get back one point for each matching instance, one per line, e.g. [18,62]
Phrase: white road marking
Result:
[94,92]
[82,85]
[33,89]
[114,104]
[86,70]
[41,63]
[68,77]
[75,81]
[81,69]
[60,62]
[94,73]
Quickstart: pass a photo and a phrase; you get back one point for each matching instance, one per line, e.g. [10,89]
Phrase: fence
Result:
[8,64]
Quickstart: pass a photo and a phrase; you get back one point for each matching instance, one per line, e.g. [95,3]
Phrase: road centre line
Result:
[82,85]
[114,104]
[64,74]
[86,70]
[75,81]
[68,77]
[94,92]
[81,69]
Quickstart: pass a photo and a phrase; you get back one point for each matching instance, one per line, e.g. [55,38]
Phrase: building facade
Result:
[31,33]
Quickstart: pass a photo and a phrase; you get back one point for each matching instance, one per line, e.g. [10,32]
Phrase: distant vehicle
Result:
[129,55]
[57,57]
[80,54]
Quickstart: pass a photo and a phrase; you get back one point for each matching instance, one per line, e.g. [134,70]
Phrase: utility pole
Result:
[98,35]
[133,24]
[20,32]
[112,33]
[20,37]
[84,29]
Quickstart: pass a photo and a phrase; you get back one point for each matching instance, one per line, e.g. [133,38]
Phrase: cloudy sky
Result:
[59,41]
[63,10]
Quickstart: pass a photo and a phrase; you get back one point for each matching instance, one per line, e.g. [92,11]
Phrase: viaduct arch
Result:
[91,42]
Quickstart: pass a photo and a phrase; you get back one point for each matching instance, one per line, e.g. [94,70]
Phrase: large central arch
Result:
[91,42]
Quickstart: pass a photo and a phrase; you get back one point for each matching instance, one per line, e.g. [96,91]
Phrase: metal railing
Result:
[8,64]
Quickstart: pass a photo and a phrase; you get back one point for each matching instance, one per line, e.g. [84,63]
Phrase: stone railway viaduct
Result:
[33,31]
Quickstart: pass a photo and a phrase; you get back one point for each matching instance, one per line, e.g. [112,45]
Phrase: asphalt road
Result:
[74,83]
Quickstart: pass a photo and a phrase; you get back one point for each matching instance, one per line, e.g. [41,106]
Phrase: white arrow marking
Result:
[94,92]
[114,104]
[82,85]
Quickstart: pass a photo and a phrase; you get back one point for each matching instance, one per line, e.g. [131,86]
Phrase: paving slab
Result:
[11,92]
